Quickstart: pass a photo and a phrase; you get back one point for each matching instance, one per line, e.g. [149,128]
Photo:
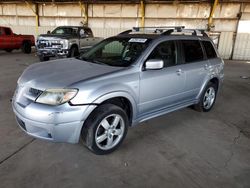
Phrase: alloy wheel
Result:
[110,131]
[209,98]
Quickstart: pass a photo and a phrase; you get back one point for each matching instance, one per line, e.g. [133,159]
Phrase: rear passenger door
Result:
[195,65]
[162,88]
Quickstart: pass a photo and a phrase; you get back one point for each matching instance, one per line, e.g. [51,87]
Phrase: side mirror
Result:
[48,32]
[154,64]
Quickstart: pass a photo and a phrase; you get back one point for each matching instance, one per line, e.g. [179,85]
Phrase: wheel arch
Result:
[122,99]
[25,40]
[122,102]
[116,98]
[214,80]
[74,45]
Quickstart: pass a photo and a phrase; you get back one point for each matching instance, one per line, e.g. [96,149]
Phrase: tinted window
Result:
[209,49]
[89,32]
[65,31]
[7,31]
[192,50]
[165,51]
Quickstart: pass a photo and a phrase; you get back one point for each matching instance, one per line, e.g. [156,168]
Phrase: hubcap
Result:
[209,98]
[109,132]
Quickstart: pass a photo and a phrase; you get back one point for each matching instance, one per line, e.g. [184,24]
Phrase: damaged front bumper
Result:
[61,123]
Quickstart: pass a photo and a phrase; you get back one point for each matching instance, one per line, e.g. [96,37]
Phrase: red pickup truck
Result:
[10,41]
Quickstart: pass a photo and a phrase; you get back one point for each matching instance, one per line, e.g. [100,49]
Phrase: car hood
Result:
[55,36]
[62,73]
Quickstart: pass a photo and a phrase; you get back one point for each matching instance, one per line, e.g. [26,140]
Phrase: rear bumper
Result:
[61,123]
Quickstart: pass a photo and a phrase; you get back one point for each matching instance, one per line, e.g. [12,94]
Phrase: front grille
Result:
[21,123]
[49,44]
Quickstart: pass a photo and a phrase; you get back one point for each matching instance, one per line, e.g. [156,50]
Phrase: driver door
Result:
[162,88]
[84,39]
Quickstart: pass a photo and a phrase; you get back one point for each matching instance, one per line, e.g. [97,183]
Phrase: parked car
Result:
[10,41]
[120,82]
[65,41]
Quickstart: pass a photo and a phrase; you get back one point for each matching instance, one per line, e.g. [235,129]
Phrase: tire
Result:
[207,98]
[26,47]
[73,52]
[9,50]
[43,58]
[100,125]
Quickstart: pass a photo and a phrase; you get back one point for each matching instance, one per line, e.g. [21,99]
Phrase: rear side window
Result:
[192,51]
[209,49]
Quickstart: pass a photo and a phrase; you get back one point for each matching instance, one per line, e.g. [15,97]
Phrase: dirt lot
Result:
[182,149]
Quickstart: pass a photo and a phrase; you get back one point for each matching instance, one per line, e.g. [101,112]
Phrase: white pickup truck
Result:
[66,41]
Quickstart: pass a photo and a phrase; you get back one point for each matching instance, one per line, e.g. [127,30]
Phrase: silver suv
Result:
[122,81]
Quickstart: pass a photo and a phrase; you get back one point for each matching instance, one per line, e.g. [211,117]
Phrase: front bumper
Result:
[52,52]
[61,123]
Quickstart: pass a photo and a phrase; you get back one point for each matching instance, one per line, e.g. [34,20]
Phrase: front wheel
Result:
[26,47]
[73,52]
[207,99]
[43,58]
[105,129]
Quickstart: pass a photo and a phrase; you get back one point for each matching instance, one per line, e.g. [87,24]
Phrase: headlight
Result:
[56,96]
[65,43]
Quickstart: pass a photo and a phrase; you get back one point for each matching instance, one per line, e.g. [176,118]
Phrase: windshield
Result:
[121,52]
[65,31]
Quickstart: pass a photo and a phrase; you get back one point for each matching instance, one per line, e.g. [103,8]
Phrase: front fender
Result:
[124,94]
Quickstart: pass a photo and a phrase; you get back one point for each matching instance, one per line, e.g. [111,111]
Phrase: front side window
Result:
[88,32]
[7,31]
[65,31]
[192,51]
[116,51]
[165,51]
[209,49]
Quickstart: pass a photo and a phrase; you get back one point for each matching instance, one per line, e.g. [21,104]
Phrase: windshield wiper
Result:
[98,62]
[92,61]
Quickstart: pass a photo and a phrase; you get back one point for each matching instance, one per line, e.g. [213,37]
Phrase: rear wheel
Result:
[105,129]
[26,47]
[207,99]
[8,50]
[43,58]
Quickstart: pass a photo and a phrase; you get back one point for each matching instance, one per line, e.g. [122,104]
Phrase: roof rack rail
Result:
[125,32]
[157,29]
[166,30]
[194,32]
[151,29]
